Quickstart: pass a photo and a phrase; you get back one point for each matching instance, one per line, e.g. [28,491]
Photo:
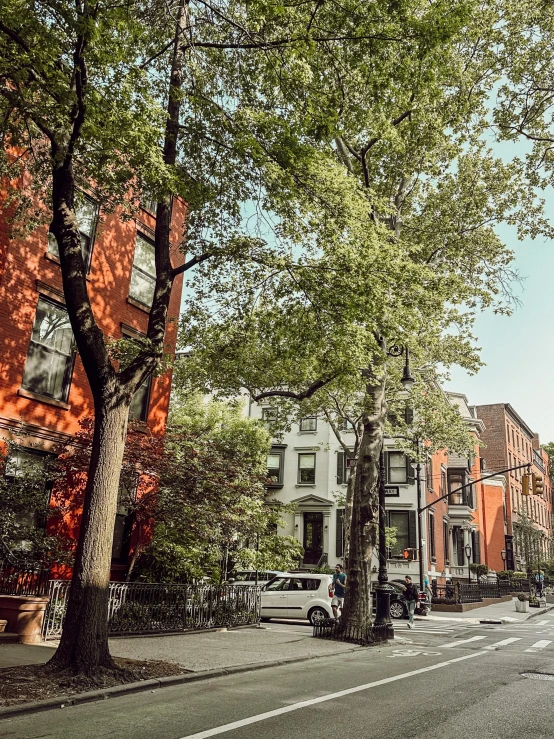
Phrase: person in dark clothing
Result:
[412,596]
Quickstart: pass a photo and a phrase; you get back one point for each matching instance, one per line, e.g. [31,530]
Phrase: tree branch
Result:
[311,390]
[188,265]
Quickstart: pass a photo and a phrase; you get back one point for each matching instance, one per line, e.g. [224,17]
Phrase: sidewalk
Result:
[199,652]
[504,612]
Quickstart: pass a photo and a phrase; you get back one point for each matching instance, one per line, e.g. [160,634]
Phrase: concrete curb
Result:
[501,619]
[155,684]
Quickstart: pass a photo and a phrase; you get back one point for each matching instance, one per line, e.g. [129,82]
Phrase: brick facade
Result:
[29,272]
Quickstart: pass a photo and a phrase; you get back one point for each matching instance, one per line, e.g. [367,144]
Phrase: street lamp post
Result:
[383,589]
[467,550]
[417,468]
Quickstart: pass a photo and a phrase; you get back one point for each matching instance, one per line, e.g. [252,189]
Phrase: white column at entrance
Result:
[326,529]
[299,526]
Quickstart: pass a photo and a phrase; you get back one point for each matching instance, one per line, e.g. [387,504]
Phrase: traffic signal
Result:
[538,484]
[525,484]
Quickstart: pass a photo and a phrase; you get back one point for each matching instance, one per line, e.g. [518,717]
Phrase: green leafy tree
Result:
[392,234]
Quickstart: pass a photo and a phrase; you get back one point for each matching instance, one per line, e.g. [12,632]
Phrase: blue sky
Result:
[519,350]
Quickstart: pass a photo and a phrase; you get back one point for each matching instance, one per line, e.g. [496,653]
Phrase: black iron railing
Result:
[329,628]
[459,592]
[21,577]
[149,608]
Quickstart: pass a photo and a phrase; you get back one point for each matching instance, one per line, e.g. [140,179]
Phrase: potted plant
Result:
[521,602]
[533,601]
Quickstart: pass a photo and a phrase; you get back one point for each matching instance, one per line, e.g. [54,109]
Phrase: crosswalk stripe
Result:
[460,641]
[539,645]
[503,643]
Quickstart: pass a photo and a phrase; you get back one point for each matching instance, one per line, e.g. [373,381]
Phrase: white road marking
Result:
[431,631]
[539,645]
[503,643]
[323,699]
[452,644]
[541,623]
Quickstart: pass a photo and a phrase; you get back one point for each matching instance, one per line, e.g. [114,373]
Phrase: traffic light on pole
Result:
[538,484]
[525,484]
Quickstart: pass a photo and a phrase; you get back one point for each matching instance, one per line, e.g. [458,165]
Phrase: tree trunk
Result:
[364,510]
[84,642]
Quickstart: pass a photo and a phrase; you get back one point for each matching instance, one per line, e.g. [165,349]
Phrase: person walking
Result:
[412,596]
[339,585]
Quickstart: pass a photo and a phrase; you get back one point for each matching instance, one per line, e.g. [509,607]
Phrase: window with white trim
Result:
[86,212]
[308,424]
[50,356]
[143,276]
[306,469]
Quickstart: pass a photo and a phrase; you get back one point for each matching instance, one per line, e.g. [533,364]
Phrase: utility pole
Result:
[419,519]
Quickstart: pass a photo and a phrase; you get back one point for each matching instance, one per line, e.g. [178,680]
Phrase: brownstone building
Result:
[43,386]
[509,443]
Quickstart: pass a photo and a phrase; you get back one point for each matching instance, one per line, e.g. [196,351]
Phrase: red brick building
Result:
[455,523]
[43,385]
[510,443]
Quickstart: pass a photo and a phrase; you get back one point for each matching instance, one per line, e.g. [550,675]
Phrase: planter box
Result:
[522,606]
[24,614]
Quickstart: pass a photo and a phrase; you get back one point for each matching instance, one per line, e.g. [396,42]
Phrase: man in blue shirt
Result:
[339,585]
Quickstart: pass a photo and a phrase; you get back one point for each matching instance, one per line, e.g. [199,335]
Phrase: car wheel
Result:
[397,610]
[317,615]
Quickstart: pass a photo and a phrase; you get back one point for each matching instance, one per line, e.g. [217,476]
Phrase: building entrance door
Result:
[313,538]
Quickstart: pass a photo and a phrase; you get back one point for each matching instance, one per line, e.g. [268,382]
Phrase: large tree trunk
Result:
[84,643]
[363,525]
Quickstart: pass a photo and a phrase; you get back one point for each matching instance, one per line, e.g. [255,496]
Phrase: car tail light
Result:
[331,592]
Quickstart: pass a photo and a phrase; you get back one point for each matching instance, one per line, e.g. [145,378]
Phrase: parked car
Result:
[298,596]
[398,606]
[248,577]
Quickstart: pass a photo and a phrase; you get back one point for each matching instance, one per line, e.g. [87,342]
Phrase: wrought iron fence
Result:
[329,628]
[143,608]
[459,592]
[20,577]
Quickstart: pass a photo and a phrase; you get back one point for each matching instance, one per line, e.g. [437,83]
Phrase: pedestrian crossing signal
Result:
[538,484]
[525,484]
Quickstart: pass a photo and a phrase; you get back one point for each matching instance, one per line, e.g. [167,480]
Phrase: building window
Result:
[404,523]
[339,544]
[50,357]
[432,547]
[29,465]
[457,479]
[124,517]
[143,276]
[343,468]
[275,465]
[308,424]
[138,410]
[86,212]
[306,469]
[445,542]
[396,467]
[429,474]
[269,416]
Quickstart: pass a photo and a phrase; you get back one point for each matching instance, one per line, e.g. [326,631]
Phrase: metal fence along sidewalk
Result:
[149,608]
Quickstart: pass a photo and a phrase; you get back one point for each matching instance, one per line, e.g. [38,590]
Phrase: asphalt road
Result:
[435,681]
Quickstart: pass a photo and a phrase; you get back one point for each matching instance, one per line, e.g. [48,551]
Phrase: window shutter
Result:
[339,534]
[412,535]
[409,470]
[476,547]
[409,415]
[386,466]
[341,464]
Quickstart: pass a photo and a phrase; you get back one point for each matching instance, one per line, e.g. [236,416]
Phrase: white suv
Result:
[298,596]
